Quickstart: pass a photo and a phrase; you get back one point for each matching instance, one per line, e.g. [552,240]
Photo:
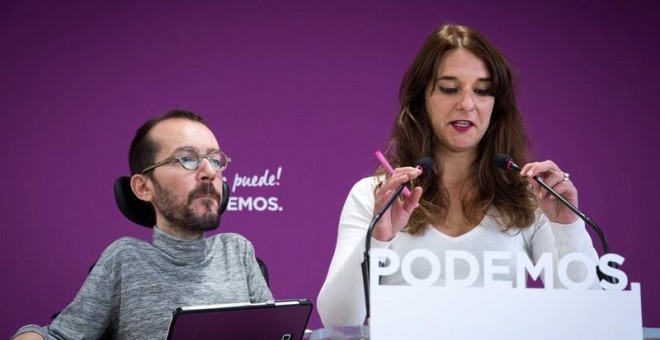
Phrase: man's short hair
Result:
[143,148]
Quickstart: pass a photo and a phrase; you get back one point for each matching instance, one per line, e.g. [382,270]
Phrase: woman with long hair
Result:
[458,106]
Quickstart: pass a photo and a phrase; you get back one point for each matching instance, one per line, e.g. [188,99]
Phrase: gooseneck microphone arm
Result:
[424,164]
[370,231]
[505,162]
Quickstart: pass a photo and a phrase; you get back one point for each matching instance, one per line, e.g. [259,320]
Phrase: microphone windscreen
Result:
[505,162]
[501,161]
[426,163]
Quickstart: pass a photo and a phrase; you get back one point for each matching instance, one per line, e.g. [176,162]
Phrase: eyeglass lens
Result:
[191,160]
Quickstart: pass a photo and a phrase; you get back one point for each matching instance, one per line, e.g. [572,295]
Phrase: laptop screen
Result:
[279,320]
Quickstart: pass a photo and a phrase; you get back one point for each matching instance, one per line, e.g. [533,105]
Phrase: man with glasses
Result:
[131,292]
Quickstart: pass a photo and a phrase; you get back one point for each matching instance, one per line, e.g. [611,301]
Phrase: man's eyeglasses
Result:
[191,160]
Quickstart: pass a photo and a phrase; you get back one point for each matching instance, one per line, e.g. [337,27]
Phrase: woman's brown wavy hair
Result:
[413,137]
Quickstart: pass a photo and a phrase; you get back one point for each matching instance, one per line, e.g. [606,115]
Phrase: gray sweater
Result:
[135,286]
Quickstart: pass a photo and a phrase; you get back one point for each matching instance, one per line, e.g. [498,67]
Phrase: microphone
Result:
[507,163]
[424,164]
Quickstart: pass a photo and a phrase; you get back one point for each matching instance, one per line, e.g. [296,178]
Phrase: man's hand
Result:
[28,336]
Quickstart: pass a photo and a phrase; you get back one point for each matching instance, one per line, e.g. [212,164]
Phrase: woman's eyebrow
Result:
[487,79]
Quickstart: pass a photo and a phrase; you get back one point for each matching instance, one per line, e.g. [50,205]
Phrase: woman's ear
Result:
[141,186]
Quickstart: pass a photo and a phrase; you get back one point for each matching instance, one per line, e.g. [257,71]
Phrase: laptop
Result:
[277,320]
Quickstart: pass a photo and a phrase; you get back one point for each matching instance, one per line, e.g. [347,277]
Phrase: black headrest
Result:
[141,212]
[135,209]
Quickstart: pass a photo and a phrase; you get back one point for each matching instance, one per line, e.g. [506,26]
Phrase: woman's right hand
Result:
[397,216]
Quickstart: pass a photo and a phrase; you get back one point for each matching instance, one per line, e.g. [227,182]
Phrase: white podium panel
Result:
[434,312]
[405,312]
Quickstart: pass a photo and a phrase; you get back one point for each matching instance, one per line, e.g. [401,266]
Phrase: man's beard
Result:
[182,215]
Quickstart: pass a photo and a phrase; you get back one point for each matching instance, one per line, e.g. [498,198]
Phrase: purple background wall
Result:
[308,86]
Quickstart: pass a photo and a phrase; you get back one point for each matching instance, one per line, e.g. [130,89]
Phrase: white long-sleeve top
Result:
[341,299]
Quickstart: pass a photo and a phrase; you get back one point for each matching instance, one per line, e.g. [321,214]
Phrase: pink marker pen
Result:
[389,169]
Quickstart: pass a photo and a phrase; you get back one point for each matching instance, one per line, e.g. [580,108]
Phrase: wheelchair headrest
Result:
[141,212]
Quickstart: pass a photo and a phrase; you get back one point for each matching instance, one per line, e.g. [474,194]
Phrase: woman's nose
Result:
[466,101]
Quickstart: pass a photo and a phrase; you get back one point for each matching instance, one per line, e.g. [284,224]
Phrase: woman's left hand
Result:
[560,182]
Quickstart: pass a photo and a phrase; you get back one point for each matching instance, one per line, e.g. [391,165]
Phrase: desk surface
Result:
[651,333]
[350,332]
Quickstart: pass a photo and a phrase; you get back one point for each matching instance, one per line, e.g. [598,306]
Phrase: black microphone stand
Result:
[507,163]
[587,220]
[365,262]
